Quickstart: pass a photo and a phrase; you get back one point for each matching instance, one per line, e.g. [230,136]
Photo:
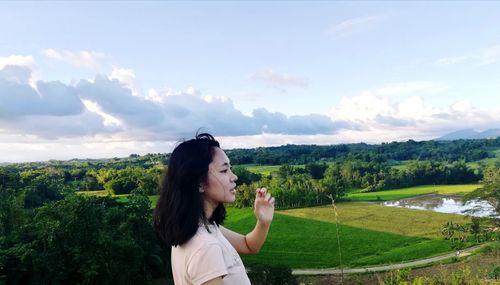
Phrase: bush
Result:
[494,273]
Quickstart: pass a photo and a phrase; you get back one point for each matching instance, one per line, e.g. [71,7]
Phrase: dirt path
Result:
[336,271]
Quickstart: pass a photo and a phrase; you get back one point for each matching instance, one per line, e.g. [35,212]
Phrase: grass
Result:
[413,191]
[370,234]
[124,198]
[261,169]
[266,169]
[487,161]
[401,165]
[93,193]
[406,222]
[120,198]
[309,243]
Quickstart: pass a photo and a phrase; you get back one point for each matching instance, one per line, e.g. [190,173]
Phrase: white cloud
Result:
[483,56]
[23,61]
[28,61]
[161,96]
[84,59]
[354,26]
[279,80]
[378,104]
[107,106]
[128,78]
[109,120]
[383,118]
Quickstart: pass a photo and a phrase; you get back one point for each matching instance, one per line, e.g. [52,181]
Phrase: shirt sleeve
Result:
[206,264]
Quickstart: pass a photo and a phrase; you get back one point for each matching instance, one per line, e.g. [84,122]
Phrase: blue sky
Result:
[91,79]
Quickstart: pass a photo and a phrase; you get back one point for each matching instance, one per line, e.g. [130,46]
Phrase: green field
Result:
[300,242]
[265,169]
[401,165]
[370,233]
[487,161]
[120,198]
[407,222]
[412,191]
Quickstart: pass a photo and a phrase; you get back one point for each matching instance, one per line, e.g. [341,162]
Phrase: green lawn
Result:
[309,243]
[412,191]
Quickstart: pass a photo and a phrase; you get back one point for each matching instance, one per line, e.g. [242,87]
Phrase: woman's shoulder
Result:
[206,235]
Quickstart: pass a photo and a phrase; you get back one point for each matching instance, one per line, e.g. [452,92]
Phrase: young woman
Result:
[190,213]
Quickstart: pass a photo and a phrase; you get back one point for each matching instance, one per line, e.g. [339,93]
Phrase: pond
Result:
[444,204]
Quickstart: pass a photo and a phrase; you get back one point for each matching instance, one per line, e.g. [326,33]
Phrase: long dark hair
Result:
[179,210]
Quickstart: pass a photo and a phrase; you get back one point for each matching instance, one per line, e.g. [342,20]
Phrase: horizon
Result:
[121,78]
[238,148]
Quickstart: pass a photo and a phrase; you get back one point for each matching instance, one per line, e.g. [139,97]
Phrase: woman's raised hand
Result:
[264,206]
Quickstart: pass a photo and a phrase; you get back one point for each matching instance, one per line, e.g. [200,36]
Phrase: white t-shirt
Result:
[207,255]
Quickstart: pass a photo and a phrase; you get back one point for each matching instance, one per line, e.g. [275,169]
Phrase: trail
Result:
[337,271]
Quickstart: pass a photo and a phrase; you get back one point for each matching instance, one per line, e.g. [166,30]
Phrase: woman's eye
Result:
[224,171]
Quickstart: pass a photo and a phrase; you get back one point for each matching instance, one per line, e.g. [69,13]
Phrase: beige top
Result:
[207,255]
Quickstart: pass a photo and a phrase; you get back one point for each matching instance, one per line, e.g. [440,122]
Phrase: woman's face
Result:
[221,181]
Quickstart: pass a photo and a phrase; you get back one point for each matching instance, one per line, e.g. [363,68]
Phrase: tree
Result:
[333,183]
[316,170]
[86,240]
[490,191]
[43,188]
[245,176]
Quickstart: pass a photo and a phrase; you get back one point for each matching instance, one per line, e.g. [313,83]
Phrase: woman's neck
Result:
[209,208]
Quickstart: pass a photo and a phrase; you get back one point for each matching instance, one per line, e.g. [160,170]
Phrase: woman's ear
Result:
[201,189]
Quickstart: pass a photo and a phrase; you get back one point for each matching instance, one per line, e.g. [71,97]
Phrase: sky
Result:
[92,79]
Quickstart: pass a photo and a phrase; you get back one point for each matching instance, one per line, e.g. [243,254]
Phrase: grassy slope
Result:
[487,161]
[412,191]
[305,243]
[407,222]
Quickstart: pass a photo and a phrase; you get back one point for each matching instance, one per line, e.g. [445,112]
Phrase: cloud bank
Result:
[111,105]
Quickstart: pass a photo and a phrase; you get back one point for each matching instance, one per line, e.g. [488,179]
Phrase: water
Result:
[445,204]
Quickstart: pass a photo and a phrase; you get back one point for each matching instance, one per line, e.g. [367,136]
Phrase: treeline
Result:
[42,183]
[318,183]
[467,150]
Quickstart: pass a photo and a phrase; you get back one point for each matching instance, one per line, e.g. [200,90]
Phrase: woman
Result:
[190,213]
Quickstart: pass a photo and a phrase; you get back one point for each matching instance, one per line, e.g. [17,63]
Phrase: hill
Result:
[470,134]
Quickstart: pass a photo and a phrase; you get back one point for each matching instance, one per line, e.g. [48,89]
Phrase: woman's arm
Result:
[253,241]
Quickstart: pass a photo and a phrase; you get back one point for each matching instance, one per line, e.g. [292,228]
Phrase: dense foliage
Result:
[80,240]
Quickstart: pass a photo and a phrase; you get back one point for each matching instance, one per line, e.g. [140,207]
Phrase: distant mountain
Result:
[470,134]
[461,134]
[488,134]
